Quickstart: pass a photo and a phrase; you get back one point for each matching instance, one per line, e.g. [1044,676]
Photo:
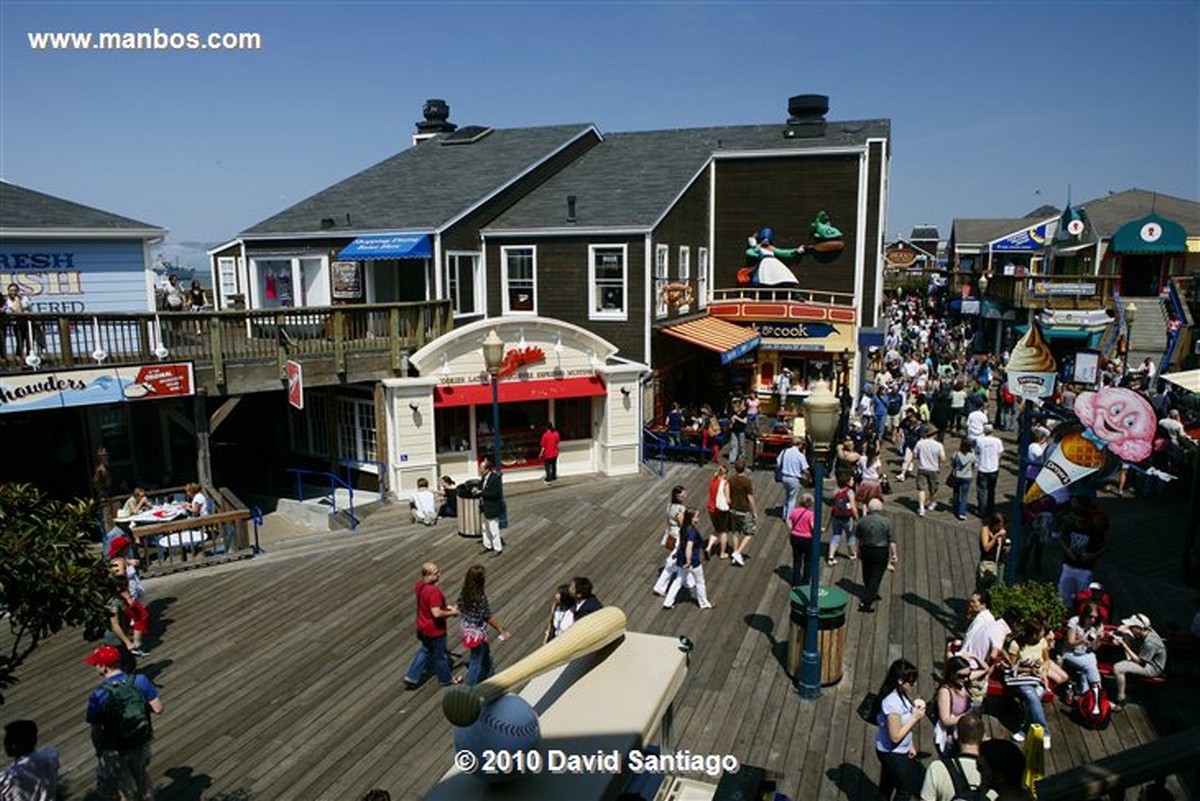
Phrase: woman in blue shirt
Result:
[898,713]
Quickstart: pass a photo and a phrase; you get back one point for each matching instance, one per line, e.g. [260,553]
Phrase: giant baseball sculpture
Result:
[486,717]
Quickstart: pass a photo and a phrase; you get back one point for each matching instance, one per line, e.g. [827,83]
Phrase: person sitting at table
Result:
[196,502]
[135,503]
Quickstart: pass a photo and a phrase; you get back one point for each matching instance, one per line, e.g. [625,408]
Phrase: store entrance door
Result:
[1141,275]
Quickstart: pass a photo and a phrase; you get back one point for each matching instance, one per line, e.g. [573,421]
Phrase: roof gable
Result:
[26,210]
[1107,214]
[631,179]
[425,187]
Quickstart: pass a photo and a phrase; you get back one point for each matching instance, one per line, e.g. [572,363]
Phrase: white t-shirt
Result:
[976,420]
[930,454]
[423,502]
[200,503]
[987,453]
[893,704]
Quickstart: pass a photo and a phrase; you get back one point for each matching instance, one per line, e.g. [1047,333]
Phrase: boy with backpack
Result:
[957,778]
[119,713]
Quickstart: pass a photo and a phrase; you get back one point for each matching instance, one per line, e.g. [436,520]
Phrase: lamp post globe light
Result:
[821,412]
[493,355]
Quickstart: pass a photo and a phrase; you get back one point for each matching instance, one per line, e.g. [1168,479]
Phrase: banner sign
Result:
[93,387]
[1047,289]
[347,280]
[794,330]
[970,306]
[1087,367]
[1030,239]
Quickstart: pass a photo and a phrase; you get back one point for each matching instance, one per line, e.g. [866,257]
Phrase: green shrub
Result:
[1027,601]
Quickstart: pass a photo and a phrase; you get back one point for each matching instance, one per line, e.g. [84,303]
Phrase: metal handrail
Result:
[1114,332]
[351,464]
[649,439]
[334,482]
[1172,336]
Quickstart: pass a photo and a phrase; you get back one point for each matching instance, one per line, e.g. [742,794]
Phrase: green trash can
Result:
[831,631]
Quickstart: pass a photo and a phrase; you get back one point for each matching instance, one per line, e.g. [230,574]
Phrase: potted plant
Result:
[1028,600]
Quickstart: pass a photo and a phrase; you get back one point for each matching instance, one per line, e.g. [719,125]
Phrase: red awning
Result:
[512,391]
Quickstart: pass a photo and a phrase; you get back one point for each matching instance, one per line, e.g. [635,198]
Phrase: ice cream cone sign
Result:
[1114,421]
[1031,367]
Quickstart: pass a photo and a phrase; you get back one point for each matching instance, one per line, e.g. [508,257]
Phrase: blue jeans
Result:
[960,496]
[1087,668]
[791,489]
[480,667]
[840,525]
[432,649]
[880,422]
[985,490]
[1031,701]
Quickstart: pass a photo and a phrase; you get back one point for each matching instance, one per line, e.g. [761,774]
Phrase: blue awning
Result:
[1077,334]
[388,246]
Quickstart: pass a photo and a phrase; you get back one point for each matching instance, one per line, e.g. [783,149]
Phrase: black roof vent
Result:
[328,222]
[806,118]
[466,136]
[437,119]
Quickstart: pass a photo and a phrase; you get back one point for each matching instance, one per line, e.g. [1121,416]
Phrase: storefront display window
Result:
[521,427]
[573,418]
[453,426]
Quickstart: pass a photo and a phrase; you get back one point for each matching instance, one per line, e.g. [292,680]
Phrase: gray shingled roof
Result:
[630,179]
[423,187]
[1107,214]
[24,209]
[980,232]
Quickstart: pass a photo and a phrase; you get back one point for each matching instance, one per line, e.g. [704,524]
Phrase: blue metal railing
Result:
[652,444]
[1172,332]
[351,464]
[335,481]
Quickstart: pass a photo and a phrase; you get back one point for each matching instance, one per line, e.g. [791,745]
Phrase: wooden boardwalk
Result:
[282,675]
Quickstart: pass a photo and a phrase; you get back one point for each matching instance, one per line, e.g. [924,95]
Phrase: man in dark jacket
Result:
[491,504]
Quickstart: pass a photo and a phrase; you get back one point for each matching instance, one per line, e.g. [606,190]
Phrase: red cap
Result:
[118,544]
[104,656]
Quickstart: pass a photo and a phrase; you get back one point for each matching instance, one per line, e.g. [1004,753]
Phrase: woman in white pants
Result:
[687,564]
[671,537]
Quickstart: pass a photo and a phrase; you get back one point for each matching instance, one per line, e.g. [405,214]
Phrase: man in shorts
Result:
[930,457]
[743,512]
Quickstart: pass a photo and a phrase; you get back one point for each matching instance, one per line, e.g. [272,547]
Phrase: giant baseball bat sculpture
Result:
[462,704]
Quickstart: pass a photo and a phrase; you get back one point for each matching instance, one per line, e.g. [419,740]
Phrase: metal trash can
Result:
[831,631]
[470,523]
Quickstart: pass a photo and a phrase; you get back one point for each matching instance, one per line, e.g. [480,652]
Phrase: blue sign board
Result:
[71,276]
[1027,240]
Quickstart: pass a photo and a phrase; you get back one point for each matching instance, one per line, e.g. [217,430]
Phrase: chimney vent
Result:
[328,222]
[437,120]
[570,208]
[806,118]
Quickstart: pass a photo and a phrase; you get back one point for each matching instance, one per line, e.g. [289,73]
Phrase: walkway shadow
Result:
[852,587]
[950,618]
[853,782]
[784,574]
[152,670]
[765,624]
[158,619]
[189,786]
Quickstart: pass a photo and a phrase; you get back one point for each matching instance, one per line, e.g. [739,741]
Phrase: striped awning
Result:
[728,339]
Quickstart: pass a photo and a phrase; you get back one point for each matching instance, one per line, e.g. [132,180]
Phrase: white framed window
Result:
[310,427]
[662,255]
[464,283]
[296,282]
[356,429]
[608,282]
[701,277]
[518,279]
[685,263]
[227,277]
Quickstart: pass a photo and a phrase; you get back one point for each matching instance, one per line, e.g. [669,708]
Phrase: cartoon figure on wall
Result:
[1115,425]
[766,263]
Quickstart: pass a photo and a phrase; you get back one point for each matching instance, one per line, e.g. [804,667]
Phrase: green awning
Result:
[1068,334]
[1150,234]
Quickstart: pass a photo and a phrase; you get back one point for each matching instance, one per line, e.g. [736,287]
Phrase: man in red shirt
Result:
[549,452]
[432,611]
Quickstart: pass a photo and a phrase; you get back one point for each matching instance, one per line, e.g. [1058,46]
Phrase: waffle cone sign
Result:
[1031,366]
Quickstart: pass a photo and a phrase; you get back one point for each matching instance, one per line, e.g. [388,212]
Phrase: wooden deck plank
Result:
[257,658]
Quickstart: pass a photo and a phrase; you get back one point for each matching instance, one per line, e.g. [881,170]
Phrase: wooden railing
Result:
[60,341]
[1111,776]
[191,541]
[1053,291]
[783,294]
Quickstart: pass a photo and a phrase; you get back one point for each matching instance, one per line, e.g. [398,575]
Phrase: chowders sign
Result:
[95,386]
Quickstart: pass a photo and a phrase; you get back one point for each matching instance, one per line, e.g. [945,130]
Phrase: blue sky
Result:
[995,108]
